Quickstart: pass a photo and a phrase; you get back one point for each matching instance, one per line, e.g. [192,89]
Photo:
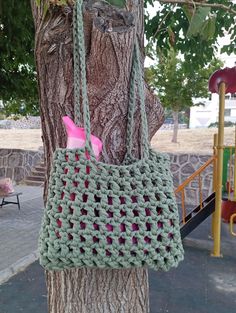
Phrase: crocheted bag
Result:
[110,216]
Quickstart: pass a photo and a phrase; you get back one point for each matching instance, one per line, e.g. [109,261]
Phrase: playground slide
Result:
[198,215]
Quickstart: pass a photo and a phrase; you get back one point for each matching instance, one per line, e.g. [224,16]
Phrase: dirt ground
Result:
[198,140]
[189,140]
[28,139]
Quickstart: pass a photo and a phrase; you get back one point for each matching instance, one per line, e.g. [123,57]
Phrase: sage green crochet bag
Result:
[109,216]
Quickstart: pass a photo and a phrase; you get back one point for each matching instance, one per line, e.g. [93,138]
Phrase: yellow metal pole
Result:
[183,207]
[230,167]
[220,150]
[235,164]
[214,178]
[200,190]
[215,161]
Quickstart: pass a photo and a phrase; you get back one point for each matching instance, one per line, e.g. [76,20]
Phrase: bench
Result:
[13,194]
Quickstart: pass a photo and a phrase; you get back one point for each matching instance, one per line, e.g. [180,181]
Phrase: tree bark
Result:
[109,36]
[176,126]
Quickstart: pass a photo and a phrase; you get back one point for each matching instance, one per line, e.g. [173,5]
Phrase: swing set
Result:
[221,204]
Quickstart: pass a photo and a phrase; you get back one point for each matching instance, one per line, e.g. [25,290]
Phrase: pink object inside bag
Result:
[6,186]
[76,137]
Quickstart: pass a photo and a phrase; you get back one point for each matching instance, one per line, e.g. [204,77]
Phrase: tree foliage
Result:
[177,84]
[17,69]
[192,30]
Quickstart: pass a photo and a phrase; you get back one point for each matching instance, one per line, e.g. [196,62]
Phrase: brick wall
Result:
[17,164]
[182,166]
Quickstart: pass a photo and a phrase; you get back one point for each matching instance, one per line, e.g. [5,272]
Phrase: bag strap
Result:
[80,84]
[80,81]
[136,80]
[77,115]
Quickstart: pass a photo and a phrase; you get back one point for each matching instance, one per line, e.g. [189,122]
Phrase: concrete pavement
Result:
[200,284]
[19,231]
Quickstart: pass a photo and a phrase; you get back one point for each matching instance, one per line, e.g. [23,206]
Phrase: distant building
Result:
[207,113]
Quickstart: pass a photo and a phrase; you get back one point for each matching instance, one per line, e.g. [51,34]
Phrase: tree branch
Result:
[181,2]
[202,4]
[161,23]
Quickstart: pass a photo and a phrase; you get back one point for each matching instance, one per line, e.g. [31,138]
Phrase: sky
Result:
[229,60]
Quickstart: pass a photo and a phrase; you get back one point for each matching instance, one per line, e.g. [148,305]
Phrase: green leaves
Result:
[46,4]
[117,3]
[17,68]
[176,83]
[45,8]
[201,22]
[196,31]
[197,20]
[61,2]
[208,28]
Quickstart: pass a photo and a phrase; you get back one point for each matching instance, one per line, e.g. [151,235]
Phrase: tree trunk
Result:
[187,115]
[176,126]
[109,36]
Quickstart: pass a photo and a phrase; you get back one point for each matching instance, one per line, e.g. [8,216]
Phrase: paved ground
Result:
[201,284]
[19,230]
[201,238]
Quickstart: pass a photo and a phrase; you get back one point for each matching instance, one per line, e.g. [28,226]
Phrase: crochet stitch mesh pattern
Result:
[106,216]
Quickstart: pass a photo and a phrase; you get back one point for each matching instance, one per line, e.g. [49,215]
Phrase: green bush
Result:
[14,117]
[227,124]
[2,116]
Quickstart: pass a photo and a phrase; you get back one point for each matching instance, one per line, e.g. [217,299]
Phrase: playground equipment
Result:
[229,183]
[232,219]
[221,82]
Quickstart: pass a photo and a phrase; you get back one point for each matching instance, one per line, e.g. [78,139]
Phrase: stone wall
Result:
[29,122]
[182,166]
[17,164]
[171,126]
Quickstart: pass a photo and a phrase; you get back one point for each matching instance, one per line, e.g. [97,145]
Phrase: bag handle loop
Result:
[80,81]
[136,80]
[80,85]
